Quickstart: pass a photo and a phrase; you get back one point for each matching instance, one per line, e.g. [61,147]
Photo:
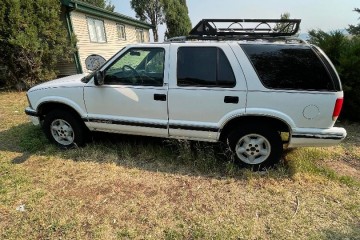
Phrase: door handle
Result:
[231,99]
[159,97]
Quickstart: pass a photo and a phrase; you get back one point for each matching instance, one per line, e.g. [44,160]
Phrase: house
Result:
[97,31]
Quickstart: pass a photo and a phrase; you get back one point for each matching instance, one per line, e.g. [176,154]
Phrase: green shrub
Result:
[32,40]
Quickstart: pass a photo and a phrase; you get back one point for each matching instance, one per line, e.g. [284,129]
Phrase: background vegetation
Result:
[344,52]
[174,13]
[32,41]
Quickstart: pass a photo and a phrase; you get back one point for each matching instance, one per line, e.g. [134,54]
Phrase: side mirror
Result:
[99,78]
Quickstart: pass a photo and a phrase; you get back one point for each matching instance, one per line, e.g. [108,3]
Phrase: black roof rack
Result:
[218,29]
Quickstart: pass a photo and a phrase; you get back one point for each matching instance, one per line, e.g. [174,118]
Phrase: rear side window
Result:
[289,67]
[204,67]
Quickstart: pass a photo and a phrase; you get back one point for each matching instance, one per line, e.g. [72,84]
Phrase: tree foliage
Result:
[172,12]
[177,18]
[151,11]
[355,30]
[283,27]
[332,43]
[107,5]
[344,52]
[32,40]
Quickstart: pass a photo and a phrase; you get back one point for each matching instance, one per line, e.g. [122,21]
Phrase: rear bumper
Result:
[310,137]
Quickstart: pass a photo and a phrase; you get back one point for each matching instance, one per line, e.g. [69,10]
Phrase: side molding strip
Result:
[151,125]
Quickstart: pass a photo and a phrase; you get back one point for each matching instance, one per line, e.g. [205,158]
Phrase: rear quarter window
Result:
[291,67]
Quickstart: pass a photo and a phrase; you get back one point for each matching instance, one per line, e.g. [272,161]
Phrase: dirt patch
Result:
[345,168]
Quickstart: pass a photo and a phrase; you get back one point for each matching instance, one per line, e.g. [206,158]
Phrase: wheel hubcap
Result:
[62,132]
[253,149]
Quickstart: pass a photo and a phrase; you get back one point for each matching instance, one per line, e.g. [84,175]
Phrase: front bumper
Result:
[310,137]
[33,115]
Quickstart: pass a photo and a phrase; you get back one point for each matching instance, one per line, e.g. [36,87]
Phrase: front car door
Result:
[133,98]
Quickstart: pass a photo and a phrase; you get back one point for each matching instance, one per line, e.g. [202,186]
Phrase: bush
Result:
[344,52]
[32,40]
[349,70]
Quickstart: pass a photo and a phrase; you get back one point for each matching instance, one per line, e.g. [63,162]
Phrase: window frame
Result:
[88,19]
[138,85]
[140,37]
[217,85]
[287,88]
[121,30]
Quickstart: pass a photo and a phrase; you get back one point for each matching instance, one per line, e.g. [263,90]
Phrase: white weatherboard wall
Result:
[112,44]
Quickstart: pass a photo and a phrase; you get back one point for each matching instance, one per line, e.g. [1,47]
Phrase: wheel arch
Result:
[276,123]
[46,107]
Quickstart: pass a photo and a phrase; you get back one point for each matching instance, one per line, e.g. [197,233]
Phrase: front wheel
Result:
[63,129]
[256,147]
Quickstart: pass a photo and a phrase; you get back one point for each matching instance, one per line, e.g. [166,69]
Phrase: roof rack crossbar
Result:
[254,27]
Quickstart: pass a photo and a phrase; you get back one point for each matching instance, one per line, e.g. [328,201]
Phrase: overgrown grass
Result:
[123,187]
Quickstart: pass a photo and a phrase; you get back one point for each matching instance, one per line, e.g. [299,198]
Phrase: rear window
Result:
[289,67]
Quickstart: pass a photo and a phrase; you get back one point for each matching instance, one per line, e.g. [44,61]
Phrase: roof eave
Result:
[99,12]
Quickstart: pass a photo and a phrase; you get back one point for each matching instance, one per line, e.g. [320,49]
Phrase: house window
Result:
[96,30]
[121,32]
[139,35]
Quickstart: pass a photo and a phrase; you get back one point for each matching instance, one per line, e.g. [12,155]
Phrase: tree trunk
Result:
[156,35]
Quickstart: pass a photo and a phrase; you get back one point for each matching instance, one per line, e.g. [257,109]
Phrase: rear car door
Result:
[206,87]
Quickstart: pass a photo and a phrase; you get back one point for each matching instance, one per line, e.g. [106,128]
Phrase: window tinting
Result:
[204,66]
[289,67]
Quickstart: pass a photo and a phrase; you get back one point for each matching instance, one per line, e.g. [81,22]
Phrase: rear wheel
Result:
[63,129]
[255,146]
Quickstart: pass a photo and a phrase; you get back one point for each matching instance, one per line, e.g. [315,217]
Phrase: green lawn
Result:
[121,187]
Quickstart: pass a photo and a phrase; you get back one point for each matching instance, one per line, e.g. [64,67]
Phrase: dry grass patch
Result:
[143,188]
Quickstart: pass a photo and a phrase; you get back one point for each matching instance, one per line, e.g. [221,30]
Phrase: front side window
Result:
[96,30]
[140,35]
[121,32]
[281,66]
[137,66]
[204,66]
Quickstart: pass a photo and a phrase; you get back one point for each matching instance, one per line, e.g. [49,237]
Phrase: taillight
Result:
[337,108]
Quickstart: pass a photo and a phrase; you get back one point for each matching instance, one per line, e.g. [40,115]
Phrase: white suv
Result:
[256,91]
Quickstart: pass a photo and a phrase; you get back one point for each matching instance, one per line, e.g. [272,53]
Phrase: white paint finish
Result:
[129,103]
[312,142]
[320,134]
[202,106]
[70,81]
[305,112]
[68,91]
[126,103]
[311,112]
[292,104]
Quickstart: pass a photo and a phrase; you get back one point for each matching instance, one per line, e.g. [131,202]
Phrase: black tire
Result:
[255,146]
[70,131]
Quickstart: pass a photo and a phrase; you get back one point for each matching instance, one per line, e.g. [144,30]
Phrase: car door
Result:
[133,98]
[206,89]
